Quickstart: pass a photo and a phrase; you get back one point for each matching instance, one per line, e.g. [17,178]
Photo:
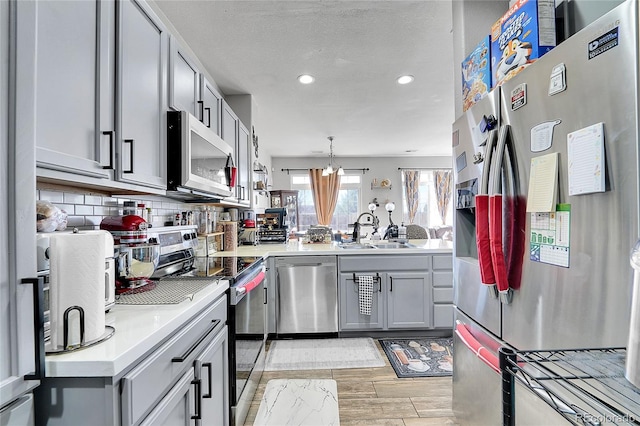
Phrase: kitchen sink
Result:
[355,246]
[385,245]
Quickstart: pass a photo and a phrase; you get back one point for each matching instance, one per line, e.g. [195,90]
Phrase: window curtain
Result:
[325,191]
[442,180]
[412,191]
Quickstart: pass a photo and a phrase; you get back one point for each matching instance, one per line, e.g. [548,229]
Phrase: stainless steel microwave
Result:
[197,159]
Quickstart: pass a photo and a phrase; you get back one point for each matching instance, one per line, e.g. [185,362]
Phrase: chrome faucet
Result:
[357,225]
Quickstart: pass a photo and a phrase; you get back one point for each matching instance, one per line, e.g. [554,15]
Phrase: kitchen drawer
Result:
[443,278]
[443,261]
[442,295]
[147,384]
[384,263]
[443,316]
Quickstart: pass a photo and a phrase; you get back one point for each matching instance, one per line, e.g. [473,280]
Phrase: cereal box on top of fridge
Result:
[523,34]
[476,74]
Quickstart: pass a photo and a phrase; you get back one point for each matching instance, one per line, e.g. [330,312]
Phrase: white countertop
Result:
[139,328]
[298,248]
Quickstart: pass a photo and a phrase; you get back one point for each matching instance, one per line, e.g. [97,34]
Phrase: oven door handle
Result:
[251,284]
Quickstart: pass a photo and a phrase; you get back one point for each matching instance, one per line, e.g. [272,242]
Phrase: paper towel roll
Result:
[77,278]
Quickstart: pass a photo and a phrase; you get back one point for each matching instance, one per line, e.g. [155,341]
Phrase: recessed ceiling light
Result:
[411,150]
[405,79]
[306,79]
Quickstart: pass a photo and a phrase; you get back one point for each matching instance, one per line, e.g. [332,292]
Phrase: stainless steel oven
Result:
[247,331]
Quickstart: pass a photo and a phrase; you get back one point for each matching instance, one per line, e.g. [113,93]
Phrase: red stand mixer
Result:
[136,258]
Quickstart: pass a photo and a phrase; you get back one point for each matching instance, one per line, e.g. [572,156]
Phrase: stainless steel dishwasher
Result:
[307,294]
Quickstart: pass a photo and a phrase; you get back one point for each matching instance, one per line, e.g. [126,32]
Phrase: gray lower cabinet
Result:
[442,279]
[410,292]
[180,380]
[408,300]
[350,316]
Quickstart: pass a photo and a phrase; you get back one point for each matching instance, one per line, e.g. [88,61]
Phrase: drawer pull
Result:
[195,345]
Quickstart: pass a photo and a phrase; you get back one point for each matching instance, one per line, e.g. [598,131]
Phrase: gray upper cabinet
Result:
[229,129]
[141,119]
[243,161]
[184,81]
[211,105]
[74,83]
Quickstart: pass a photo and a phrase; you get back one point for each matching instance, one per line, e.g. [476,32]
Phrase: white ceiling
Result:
[355,50]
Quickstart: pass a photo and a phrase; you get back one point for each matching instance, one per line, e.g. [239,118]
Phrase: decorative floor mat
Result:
[323,354]
[299,402]
[166,292]
[420,357]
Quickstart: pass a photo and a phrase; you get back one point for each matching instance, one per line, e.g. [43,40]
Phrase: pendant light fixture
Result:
[330,169]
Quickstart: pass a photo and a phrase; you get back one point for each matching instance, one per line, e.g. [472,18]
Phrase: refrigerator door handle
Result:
[482,220]
[474,346]
[495,218]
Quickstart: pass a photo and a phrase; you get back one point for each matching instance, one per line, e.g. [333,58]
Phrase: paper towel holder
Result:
[108,332]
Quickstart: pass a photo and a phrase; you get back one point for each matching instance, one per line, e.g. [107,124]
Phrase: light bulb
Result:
[340,171]
[325,172]
[329,169]
[372,206]
[390,207]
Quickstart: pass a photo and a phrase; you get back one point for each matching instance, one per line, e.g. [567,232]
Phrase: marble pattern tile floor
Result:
[376,396]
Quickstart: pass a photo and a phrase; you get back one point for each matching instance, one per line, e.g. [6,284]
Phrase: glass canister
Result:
[632,372]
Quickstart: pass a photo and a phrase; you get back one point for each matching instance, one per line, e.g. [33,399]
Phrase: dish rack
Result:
[586,386]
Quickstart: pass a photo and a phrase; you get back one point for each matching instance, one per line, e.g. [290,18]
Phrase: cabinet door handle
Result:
[208,117]
[207,365]
[38,326]
[110,134]
[380,286]
[390,283]
[129,141]
[201,103]
[214,324]
[264,302]
[198,404]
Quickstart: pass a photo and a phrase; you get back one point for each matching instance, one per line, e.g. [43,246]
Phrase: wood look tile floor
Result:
[376,396]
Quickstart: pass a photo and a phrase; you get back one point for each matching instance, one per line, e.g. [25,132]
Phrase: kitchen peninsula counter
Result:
[138,330]
[433,246]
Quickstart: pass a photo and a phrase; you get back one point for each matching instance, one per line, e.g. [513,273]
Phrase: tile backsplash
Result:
[86,210]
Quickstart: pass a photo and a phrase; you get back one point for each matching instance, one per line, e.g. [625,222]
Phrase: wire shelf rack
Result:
[586,386]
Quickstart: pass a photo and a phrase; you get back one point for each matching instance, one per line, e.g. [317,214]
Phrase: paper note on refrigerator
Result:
[585,148]
[543,183]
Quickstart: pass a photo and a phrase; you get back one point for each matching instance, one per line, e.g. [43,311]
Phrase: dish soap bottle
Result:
[402,232]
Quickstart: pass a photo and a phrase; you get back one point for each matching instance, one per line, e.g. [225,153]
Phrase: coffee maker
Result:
[136,256]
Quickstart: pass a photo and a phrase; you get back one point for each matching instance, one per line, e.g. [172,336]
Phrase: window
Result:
[347,208]
[427,214]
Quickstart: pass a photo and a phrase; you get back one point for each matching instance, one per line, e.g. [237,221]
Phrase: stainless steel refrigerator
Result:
[564,133]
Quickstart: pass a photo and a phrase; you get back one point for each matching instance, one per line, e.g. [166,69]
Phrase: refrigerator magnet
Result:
[519,96]
[557,81]
[542,135]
